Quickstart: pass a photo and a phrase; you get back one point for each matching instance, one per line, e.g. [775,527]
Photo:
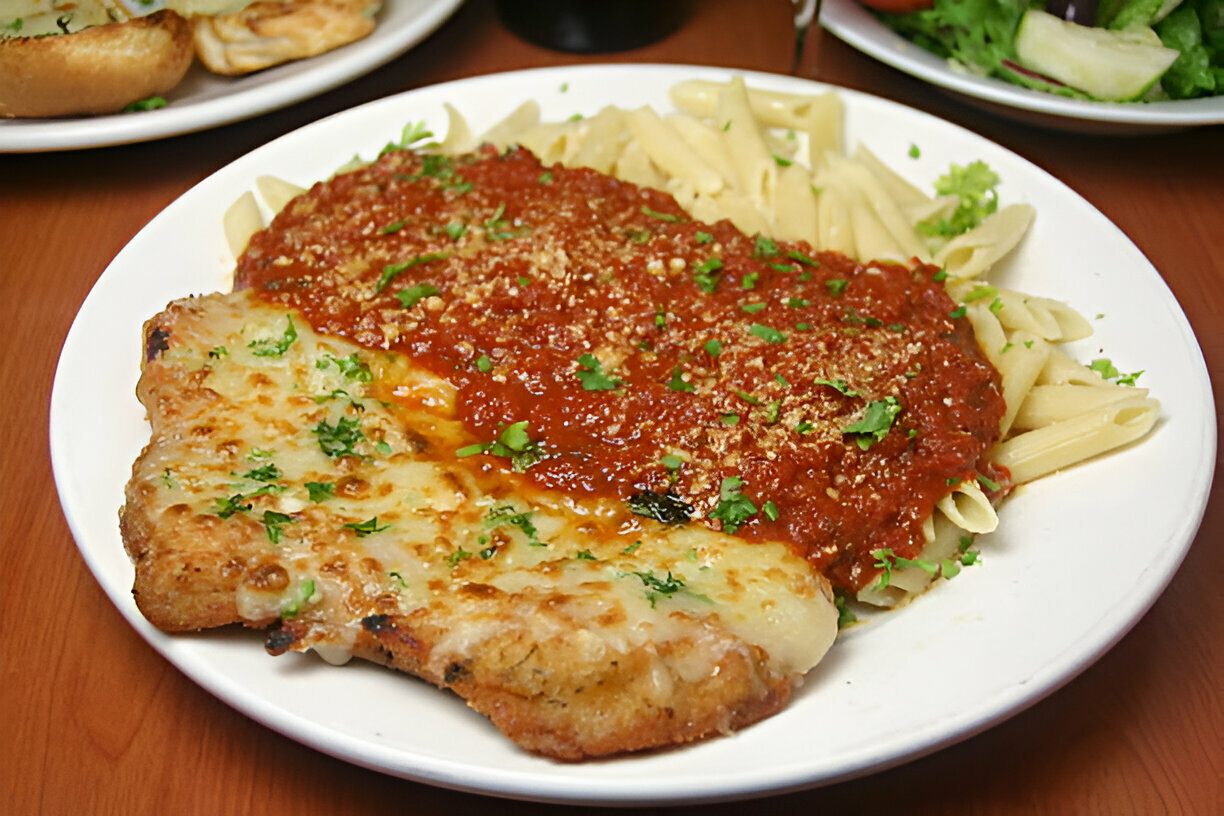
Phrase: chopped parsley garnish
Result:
[514,443]
[712,347]
[734,508]
[674,219]
[338,440]
[394,226]
[263,473]
[836,286]
[766,333]
[914,152]
[456,230]
[585,555]
[988,483]
[320,491]
[974,187]
[412,133]
[592,375]
[749,281]
[274,348]
[274,523]
[658,587]
[729,419]
[958,313]
[497,228]
[458,555]
[705,274]
[413,294]
[632,548]
[806,260]
[483,363]
[671,461]
[546,177]
[351,367]
[1106,369]
[887,561]
[506,515]
[702,237]
[302,595]
[367,527]
[770,511]
[839,385]
[875,423]
[151,103]
[752,308]
[678,383]
[981,291]
[764,248]
[391,270]
[797,303]
[805,427]
[218,352]
[230,505]
[781,161]
[845,615]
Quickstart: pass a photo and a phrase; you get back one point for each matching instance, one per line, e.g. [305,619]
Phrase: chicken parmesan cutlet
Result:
[537,437]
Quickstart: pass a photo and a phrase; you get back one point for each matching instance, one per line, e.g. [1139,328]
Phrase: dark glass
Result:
[591,26]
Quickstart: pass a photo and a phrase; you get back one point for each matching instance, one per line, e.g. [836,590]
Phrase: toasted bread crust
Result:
[94,71]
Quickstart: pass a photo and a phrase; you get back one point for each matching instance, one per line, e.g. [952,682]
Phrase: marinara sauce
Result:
[605,344]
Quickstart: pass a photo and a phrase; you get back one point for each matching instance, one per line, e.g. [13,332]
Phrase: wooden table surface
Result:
[95,721]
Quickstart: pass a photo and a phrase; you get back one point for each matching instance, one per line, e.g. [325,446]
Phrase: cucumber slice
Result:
[1114,66]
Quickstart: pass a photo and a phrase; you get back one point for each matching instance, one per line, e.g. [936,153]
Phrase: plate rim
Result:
[576,789]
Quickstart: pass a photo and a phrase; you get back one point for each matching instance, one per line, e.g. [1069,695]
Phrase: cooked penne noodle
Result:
[634,165]
[241,221]
[897,188]
[794,215]
[1049,319]
[670,153]
[858,177]
[755,167]
[968,508]
[506,132]
[602,143]
[970,254]
[706,142]
[458,133]
[1060,369]
[276,192]
[871,238]
[1020,357]
[552,142]
[1048,404]
[1042,451]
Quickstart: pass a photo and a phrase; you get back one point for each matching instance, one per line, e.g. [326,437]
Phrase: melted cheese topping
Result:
[335,466]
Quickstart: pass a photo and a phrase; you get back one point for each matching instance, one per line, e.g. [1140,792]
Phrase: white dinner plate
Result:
[853,23]
[1078,558]
[204,99]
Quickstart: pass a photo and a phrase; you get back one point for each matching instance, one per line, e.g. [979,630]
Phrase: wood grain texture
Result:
[97,722]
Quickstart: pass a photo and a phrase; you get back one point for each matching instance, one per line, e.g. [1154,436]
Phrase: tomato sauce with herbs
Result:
[605,344]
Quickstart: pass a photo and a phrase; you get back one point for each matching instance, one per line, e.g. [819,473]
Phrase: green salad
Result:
[1108,50]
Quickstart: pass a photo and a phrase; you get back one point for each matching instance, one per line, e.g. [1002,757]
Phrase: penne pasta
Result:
[670,153]
[241,221]
[1042,451]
